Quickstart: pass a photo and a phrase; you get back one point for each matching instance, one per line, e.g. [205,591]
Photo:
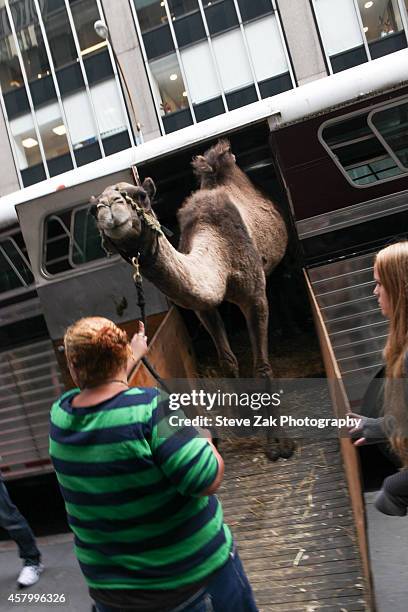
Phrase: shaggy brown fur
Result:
[231,238]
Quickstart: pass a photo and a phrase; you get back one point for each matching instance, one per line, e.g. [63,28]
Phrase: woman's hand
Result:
[138,344]
[368,430]
[356,432]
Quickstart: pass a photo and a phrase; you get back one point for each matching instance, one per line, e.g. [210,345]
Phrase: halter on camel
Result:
[154,224]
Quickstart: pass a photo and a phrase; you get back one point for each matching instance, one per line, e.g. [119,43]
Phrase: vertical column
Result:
[120,22]
[303,42]
[9,180]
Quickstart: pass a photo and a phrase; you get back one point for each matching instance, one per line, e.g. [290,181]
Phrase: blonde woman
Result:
[149,533]
[391,291]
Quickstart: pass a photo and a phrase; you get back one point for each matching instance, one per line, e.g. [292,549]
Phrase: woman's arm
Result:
[393,497]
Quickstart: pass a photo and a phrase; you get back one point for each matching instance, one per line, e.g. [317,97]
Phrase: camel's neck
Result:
[196,280]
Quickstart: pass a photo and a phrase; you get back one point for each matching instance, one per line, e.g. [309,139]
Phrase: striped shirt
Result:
[132,494]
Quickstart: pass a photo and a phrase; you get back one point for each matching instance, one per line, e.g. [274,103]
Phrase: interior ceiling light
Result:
[368,4]
[185,94]
[365,28]
[173,77]
[59,130]
[29,143]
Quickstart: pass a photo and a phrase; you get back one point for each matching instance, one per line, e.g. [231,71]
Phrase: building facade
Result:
[69,97]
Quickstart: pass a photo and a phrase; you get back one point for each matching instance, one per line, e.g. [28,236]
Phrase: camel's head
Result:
[120,210]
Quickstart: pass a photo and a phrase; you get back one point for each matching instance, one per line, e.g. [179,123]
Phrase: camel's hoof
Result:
[287,447]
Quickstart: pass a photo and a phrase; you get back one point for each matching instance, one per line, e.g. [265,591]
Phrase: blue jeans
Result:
[227,591]
[17,527]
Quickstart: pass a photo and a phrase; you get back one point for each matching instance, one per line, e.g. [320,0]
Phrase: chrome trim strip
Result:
[352,215]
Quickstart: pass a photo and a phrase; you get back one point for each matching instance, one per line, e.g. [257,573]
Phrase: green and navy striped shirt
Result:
[132,496]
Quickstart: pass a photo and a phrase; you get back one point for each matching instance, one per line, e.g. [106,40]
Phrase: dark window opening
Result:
[158,42]
[388,44]
[208,109]
[98,67]
[242,97]
[275,85]
[189,29]
[348,59]
[33,174]
[250,9]
[117,142]
[178,120]
[221,16]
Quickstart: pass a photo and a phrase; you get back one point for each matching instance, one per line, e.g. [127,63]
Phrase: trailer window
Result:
[15,272]
[86,238]
[391,126]
[71,240]
[359,150]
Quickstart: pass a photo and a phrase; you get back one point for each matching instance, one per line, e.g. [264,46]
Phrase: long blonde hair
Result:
[392,269]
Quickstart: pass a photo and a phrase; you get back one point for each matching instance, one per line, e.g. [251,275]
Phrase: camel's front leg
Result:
[257,317]
[213,323]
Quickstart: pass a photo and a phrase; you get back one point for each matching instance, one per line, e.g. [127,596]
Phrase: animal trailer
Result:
[332,155]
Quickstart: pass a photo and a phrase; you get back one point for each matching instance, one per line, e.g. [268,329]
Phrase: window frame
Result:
[366,110]
[380,137]
[76,269]
[4,295]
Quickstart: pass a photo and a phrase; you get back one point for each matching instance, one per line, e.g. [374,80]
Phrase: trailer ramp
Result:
[298,523]
[294,527]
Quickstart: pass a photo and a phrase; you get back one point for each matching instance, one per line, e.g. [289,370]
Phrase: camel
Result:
[231,238]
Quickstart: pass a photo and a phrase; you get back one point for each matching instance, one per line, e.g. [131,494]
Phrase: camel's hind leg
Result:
[213,323]
[257,317]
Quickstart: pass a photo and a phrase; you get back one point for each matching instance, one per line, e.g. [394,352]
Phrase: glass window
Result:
[59,35]
[108,109]
[11,78]
[25,138]
[33,51]
[220,16]
[241,97]
[232,60]
[380,18]
[53,133]
[150,13]
[15,271]
[86,238]
[250,9]
[178,8]
[84,15]
[339,25]
[168,85]
[189,29]
[82,133]
[392,125]
[203,84]
[71,239]
[266,48]
[205,110]
[358,151]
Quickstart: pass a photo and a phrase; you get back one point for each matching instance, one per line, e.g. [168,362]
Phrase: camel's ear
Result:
[149,187]
[126,189]
[201,165]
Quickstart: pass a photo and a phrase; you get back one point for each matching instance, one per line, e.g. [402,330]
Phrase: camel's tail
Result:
[215,166]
